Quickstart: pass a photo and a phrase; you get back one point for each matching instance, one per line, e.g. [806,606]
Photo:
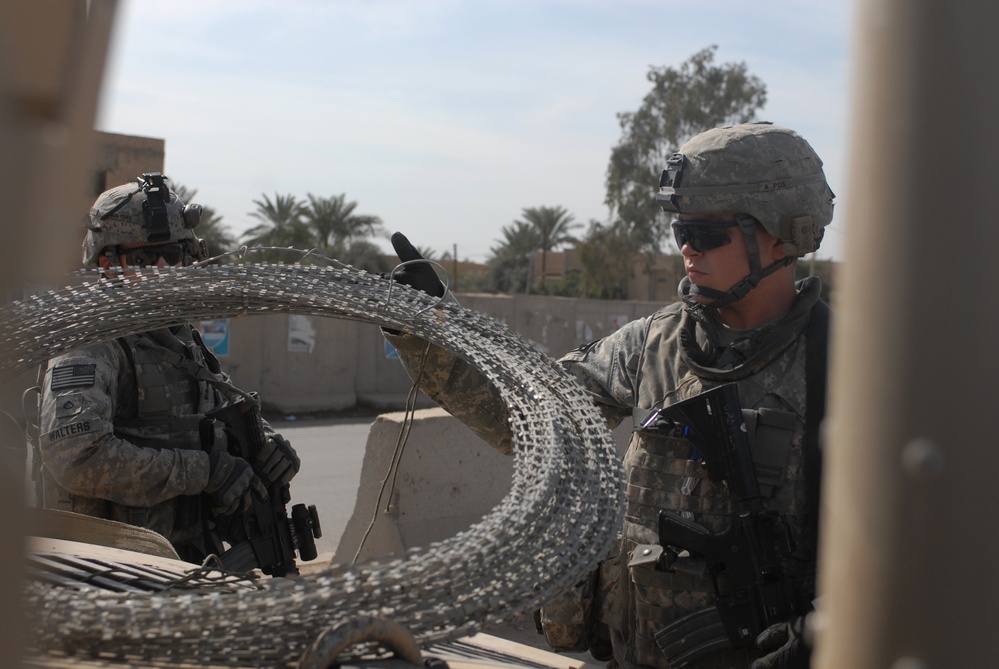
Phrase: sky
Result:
[447,118]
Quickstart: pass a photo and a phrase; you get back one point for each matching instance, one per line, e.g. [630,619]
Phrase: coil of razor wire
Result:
[560,518]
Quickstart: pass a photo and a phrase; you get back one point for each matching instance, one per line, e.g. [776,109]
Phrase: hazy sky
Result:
[446,118]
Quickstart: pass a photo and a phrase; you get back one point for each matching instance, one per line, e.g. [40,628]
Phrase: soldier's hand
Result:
[232,483]
[419,275]
[785,646]
[277,462]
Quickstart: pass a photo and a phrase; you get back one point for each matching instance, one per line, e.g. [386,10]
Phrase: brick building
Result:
[123,158]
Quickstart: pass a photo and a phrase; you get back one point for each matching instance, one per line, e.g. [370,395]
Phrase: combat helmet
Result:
[146,211]
[764,170]
[763,173]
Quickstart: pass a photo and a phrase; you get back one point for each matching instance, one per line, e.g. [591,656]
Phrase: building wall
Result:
[123,158]
[654,277]
[347,363]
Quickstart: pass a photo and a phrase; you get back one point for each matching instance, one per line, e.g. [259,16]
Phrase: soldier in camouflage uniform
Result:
[119,420]
[749,200]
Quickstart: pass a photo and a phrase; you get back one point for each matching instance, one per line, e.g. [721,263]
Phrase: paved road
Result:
[332,451]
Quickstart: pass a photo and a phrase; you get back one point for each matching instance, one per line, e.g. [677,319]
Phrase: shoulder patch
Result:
[73,376]
[68,408]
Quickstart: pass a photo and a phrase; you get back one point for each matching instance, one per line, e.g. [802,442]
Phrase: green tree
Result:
[334,225]
[607,255]
[510,263]
[366,255]
[281,223]
[554,227]
[216,234]
[683,102]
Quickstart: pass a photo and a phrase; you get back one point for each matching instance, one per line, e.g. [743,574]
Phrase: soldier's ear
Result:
[771,247]
[777,251]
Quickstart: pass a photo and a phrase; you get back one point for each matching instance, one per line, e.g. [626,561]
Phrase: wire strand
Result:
[400,445]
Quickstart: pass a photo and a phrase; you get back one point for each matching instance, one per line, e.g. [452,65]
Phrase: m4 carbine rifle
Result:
[747,559]
[264,535]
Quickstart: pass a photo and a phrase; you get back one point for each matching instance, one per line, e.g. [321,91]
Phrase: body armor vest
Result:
[171,401]
[664,471]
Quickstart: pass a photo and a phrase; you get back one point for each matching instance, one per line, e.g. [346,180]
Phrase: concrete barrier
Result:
[447,479]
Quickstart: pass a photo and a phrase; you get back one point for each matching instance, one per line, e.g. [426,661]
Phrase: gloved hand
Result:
[785,646]
[419,275]
[277,461]
[231,482]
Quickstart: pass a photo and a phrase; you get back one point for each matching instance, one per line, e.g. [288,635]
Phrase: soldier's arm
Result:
[78,445]
[458,388]
[608,369]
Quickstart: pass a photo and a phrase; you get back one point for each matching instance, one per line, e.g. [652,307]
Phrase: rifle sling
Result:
[816,370]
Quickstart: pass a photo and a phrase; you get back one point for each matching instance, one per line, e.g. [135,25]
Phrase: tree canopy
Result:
[211,228]
[684,101]
[280,225]
[606,255]
[509,266]
[327,224]
[334,225]
[553,226]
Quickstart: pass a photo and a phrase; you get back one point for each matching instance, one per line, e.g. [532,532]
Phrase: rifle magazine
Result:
[693,636]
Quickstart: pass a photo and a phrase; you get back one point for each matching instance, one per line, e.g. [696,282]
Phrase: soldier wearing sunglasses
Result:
[119,421]
[748,201]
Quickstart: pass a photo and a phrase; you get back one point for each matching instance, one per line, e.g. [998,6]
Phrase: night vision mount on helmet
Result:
[145,212]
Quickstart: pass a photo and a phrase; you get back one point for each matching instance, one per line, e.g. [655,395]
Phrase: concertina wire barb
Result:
[560,519]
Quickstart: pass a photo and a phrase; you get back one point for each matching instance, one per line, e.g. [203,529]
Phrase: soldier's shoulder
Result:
[107,352]
[669,317]
[671,310]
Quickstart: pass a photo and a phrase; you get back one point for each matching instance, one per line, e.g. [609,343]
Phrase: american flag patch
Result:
[73,376]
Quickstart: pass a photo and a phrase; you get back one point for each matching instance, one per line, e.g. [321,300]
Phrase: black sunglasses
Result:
[146,256]
[702,235]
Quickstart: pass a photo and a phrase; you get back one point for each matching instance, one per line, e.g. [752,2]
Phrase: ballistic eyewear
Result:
[702,235]
[147,256]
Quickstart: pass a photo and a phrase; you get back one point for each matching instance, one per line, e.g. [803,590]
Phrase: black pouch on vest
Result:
[771,433]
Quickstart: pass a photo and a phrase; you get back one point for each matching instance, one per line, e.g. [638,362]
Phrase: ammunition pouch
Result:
[571,621]
[770,432]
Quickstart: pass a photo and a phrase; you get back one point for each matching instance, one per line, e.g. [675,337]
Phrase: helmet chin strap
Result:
[689,292]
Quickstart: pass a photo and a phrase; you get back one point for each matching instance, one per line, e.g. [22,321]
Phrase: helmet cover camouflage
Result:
[766,171]
[146,211]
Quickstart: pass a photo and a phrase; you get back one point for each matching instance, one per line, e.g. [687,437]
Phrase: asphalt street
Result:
[331,451]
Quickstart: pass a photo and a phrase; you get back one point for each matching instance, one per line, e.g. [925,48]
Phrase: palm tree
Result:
[510,264]
[554,226]
[280,224]
[211,229]
[333,225]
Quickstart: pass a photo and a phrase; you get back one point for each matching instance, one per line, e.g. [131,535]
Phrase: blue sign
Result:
[215,333]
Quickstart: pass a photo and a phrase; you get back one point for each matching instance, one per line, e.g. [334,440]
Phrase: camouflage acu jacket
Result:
[112,445]
[652,362]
